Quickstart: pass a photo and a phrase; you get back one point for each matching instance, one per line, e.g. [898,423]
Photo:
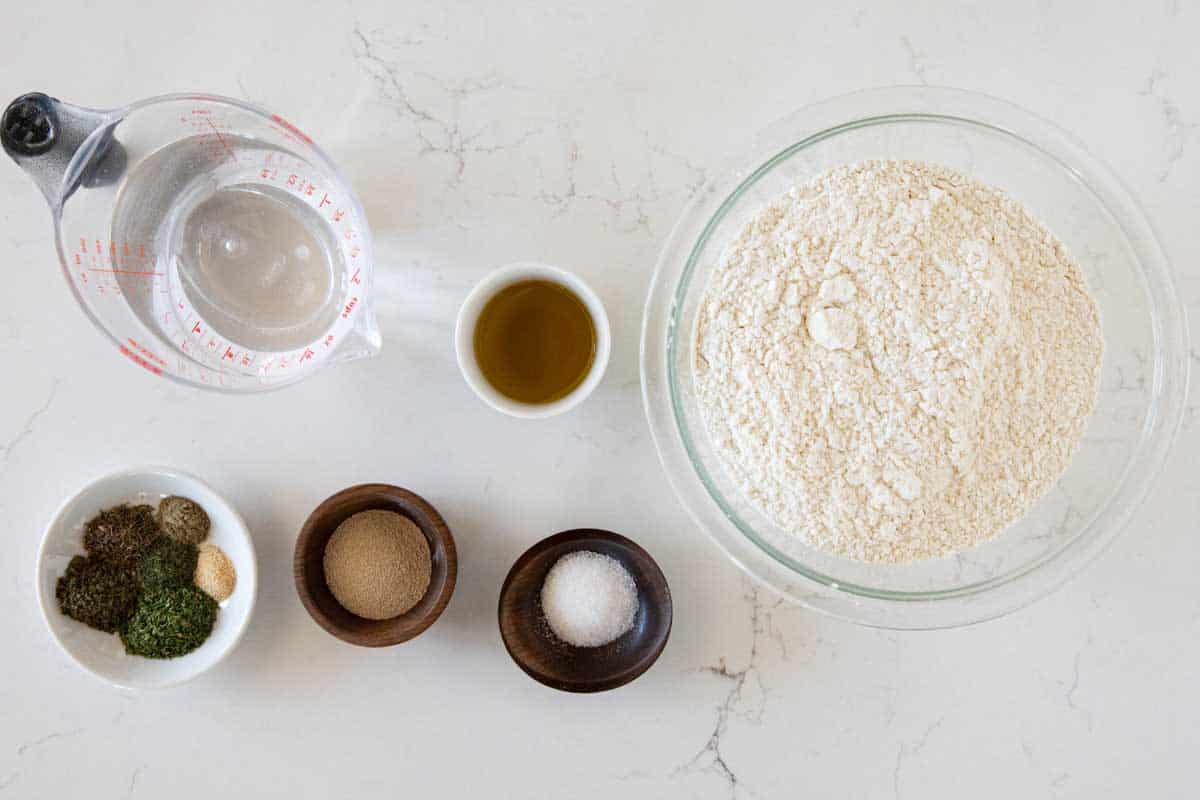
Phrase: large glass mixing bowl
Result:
[1142,386]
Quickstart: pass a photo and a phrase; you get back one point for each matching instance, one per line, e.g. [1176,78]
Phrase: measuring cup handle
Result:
[44,135]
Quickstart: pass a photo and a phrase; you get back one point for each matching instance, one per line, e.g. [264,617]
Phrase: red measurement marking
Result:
[329,340]
[228,353]
[197,329]
[291,128]
[123,271]
[349,307]
[141,362]
[77,259]
[141,251]
[354,278]
[221,139]
[324,201]
[307,354]
[145,351]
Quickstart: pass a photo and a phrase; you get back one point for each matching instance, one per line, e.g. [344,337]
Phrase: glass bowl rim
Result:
[816,123]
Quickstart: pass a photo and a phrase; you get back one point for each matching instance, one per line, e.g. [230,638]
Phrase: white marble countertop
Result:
[571,133]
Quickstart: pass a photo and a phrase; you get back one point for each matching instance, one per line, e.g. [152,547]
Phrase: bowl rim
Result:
[248,577]
[763,562]
[436,521]
[581,536]
[468,317]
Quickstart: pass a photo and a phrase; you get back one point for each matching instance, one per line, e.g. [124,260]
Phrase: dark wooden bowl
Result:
[549,660]
[309,565]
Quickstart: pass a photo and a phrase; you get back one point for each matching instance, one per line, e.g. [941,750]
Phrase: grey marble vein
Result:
[907,750]
[1071,687]
[1178,129]
[26,431]
[734,703]
[35,743]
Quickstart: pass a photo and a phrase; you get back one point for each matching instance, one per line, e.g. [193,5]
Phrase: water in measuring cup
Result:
[259,265]
[255,263]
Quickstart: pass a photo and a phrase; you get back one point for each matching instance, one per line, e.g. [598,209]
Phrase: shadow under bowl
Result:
[549,660]
[309,565]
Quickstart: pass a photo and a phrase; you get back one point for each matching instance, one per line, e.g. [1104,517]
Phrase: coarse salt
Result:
[589,599]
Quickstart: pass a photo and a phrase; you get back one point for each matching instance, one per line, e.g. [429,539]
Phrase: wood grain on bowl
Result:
[550,661]
[309,565]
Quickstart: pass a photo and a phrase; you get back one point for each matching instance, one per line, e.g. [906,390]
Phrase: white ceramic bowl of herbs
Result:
[103,654]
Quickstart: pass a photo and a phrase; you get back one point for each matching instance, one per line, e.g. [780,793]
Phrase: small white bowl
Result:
[468,317]
[102,654]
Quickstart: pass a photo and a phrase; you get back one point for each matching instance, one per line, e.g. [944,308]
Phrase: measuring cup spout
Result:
[60,145]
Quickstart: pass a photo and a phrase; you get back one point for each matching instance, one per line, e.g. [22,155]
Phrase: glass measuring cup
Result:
[212,241]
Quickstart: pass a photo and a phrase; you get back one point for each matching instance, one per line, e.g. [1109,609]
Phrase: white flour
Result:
[894,361]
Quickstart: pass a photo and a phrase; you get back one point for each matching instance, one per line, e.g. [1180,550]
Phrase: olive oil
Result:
[535,341]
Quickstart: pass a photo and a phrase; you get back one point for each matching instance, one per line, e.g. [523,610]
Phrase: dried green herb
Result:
[169,622]
[168,563]
[97,593]
[121,535]
[183,519]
